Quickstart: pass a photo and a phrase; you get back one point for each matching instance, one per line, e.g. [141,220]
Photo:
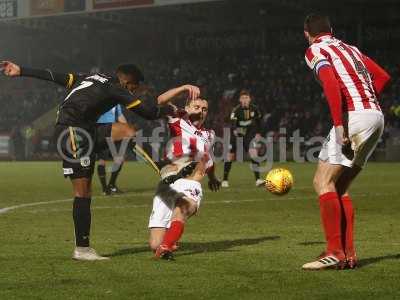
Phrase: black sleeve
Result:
[65,79]
[257,119]
[140,103]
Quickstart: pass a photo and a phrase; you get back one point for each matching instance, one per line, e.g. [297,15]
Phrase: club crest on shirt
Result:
[85,161]
[194,193]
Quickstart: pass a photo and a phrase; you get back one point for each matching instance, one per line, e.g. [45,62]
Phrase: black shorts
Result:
[77,148]
[104,154]
[103,132]
[246,140]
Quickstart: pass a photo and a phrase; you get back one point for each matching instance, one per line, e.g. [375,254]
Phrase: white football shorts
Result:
[365,130]
[163,208]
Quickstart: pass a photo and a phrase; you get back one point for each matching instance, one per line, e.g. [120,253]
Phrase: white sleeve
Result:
[315,59]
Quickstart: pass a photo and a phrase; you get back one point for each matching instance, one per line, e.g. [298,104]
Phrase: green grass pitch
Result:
[244,244]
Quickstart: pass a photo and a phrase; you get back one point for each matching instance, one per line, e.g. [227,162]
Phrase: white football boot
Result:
[225,184]
[260,182]
[87,254]
[327,261]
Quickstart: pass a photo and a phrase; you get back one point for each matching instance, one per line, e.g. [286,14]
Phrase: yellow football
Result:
[279,181]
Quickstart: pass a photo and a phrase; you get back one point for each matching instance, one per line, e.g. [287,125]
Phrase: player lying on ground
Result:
[76,130]
[351,83]
[105,123]
[246,124]
[175,202]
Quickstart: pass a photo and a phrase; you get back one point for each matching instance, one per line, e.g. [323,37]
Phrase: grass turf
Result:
[244,244]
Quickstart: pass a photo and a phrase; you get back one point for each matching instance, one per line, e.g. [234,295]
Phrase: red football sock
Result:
[348,232]
[331,221]
[173,234]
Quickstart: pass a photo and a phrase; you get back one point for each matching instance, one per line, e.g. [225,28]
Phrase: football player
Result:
[246,124]
[89,97]
[352,83]
[179,194]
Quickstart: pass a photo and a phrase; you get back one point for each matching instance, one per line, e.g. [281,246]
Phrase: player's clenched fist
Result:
[10,69]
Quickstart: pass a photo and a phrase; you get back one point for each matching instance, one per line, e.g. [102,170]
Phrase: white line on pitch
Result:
[7,209]
[149,205]
[277,198]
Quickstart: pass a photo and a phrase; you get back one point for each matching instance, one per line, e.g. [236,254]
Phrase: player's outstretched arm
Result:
[168,96]
[145,105]
[13,70]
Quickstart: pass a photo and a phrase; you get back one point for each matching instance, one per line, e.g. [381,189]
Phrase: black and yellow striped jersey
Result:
[245,119]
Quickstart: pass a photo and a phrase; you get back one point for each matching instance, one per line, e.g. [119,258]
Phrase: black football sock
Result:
[116,169]
[227,169]
[255,166]
[82,219]
[101,171]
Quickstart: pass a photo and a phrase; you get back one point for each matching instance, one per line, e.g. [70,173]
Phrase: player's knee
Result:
[187,208]
[153,244]
[81,194]
[324,184]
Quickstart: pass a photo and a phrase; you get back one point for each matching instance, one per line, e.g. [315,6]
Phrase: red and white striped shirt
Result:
[188,140]
[349,67]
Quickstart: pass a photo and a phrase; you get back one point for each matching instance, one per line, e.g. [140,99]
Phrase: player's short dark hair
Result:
[132,70]
[244,93]
[316,24]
